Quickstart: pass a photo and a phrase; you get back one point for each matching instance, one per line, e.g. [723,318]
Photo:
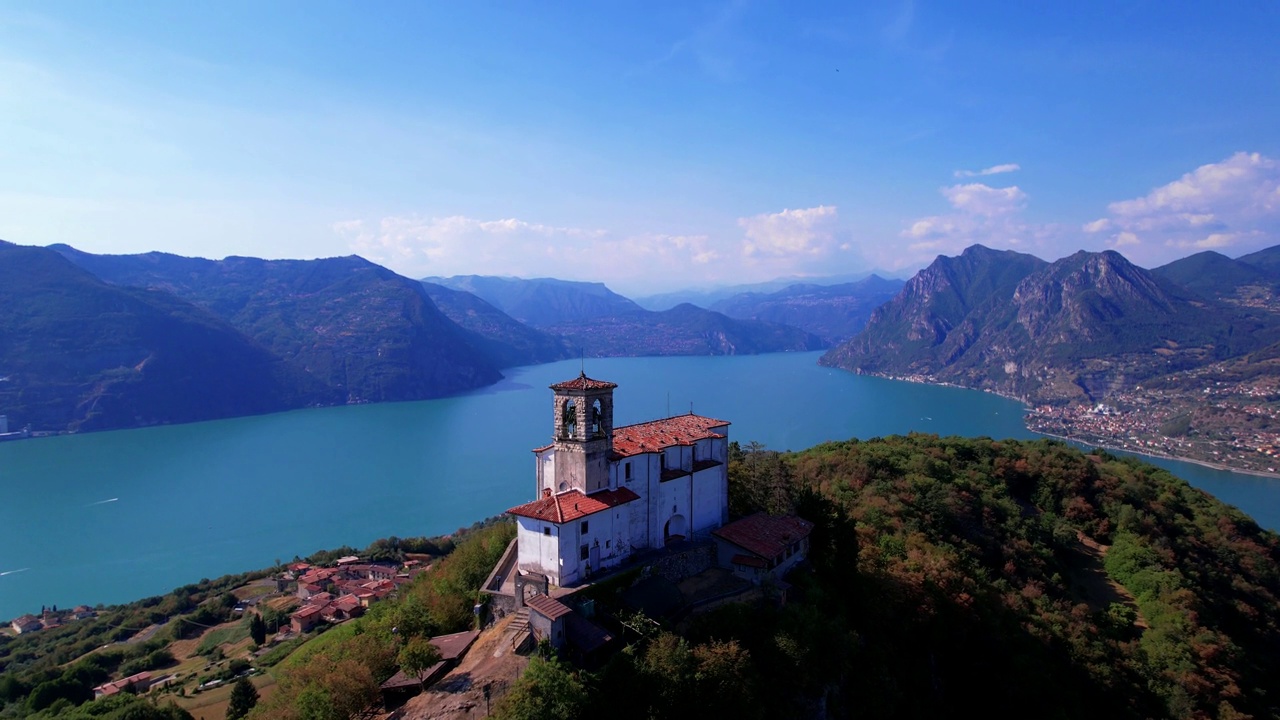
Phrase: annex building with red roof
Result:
[762,545]
[603,493]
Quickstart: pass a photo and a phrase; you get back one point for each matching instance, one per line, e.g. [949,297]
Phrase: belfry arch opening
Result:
[570,419]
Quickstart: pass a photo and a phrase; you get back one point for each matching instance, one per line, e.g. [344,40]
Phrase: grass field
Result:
[225,634]
[212,704]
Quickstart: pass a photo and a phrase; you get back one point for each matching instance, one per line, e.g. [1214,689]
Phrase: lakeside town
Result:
[1226,424]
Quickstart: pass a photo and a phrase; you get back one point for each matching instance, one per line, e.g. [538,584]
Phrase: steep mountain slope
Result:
[682,330]
[924,328]
[542,302]
[503,339]
[1267,260]
[355,326]
[79,354]
[1217,276]
[1081,328]
[832,312]
[1212,274]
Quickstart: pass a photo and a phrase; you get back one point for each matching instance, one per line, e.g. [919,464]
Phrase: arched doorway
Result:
[675,530]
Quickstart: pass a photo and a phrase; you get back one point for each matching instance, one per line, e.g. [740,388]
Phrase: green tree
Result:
[257,629]
[548,690]
[243,697]
[417,656]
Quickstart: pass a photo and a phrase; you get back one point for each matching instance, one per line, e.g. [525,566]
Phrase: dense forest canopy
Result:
[953,576]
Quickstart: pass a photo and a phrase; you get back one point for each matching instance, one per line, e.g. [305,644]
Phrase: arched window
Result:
[570,419]
[597,419]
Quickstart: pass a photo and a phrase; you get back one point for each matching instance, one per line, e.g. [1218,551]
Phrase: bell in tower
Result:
[583,434]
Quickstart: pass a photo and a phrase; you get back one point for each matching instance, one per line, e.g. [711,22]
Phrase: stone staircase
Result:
[518,634]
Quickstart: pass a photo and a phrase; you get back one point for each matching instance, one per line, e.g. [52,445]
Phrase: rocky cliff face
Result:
[1083,327]
[937,315]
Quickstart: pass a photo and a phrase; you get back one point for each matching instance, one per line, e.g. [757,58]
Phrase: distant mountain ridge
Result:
[709,297]
[592,319]
[357,327]
[541,302]
[500,336]
[80,354]
[1081,327]
[683,330]
[114,341]
[832,312]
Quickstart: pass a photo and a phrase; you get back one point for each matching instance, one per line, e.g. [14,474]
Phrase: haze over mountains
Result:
[101,341]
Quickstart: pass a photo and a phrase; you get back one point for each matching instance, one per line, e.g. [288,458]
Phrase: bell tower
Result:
[583,425]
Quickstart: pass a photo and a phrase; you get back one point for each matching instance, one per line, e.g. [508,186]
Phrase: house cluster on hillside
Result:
[50,618]
[139,683]
[335,594]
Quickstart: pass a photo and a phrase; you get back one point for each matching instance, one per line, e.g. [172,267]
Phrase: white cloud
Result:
[792,242]
[979,199]
[419,246]
[1233,204]
[993,170]
[441,245]
[808,231]
[980,214]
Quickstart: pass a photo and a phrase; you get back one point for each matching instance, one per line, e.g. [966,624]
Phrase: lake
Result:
[116,516]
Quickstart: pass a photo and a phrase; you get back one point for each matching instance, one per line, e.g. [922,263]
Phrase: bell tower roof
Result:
[582,382]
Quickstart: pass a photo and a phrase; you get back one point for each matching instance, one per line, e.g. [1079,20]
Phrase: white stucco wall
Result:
[607,528]
[537,551]
[708,499]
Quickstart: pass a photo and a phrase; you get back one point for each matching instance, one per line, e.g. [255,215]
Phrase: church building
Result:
[604,493]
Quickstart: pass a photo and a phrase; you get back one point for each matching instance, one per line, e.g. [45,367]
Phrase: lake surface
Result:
[117,516]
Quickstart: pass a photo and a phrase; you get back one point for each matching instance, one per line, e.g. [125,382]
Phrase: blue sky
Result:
[651,146]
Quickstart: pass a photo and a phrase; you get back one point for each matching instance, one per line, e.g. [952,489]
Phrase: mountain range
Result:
[832,312]
[112,341]
[598,322]
[77,353]
[1081,328]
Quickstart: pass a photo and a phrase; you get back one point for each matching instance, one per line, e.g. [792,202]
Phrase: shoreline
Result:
[1202,463]
[924,380]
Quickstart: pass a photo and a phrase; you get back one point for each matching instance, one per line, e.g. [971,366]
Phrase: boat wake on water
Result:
[10,572]
[104,502]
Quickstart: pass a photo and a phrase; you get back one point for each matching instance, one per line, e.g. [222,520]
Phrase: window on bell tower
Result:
[570,419]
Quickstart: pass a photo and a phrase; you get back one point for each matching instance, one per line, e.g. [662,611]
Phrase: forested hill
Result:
[363,331]
[79,354]
[955,577]
[1028,579]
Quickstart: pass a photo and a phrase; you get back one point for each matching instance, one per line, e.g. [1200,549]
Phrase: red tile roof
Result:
[749,561]
[655,435]
[582,382]
[547,606]
[765,535]
[573,504]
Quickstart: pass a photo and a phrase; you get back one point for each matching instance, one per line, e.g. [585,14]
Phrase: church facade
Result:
[604,493]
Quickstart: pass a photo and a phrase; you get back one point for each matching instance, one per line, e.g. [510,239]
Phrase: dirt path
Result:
[1091,584]
[460,694]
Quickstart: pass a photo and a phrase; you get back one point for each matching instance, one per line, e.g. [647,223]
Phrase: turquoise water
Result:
[116,516]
